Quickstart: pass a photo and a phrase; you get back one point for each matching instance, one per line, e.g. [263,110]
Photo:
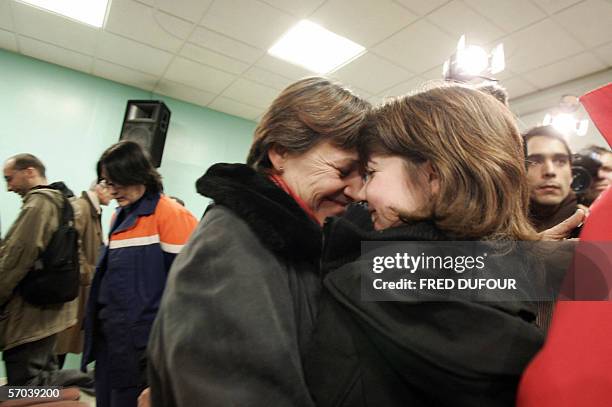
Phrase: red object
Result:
[599,105]
[574,368]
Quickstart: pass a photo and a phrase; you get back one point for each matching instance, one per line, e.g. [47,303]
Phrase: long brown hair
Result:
[473,144]
[306,112]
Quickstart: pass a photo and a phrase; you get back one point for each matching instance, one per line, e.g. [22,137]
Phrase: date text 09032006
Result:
[29,392]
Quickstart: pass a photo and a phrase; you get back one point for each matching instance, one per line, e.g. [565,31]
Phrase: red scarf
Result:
[282,184]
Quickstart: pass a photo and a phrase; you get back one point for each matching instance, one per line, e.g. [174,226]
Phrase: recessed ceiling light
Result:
[91,12]
[313,47]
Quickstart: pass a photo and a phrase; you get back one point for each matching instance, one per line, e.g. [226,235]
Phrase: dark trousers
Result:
[106,395]
[31,364]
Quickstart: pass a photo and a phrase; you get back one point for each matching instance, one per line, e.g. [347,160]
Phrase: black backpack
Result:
[55,276]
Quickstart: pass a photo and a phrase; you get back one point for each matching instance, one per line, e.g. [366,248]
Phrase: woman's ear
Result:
[277,156]
[433,177]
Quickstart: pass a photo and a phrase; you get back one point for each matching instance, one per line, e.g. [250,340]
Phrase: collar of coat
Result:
[343,236]
[277,220]
[127,216]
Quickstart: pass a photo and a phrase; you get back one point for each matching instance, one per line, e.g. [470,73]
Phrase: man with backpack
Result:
[37,274]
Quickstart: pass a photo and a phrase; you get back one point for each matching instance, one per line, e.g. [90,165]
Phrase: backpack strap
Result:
[66,212]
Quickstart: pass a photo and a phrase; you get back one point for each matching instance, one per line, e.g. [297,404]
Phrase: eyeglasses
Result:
[107,184]
[558,160]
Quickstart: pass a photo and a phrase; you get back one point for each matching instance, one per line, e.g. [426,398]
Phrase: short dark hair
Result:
[26,160]
[305,113]
[545,131]
[496,90]
[127,163]
[178,200]
[598,149]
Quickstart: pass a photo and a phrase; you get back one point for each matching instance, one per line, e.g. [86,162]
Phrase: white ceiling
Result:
[213,52]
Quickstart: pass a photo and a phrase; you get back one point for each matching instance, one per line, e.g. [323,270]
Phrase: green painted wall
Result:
[67,118]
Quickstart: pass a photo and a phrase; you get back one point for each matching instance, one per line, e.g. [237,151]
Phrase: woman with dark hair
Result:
[444,164]
[242,297]
[148,231]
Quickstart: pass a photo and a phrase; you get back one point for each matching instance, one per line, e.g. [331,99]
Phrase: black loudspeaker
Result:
[146,122]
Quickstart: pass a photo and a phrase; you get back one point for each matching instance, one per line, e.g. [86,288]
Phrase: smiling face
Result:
[393,193]
[549,171]
[325,177]
[17,181]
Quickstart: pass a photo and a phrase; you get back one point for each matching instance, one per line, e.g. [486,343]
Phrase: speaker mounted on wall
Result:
[146,122]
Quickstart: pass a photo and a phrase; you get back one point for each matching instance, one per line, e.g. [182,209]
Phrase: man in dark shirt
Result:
[549,173]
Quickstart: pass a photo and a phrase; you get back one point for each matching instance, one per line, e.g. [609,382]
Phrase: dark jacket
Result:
[381,353]
[240,303]
[129,281]
[546,216]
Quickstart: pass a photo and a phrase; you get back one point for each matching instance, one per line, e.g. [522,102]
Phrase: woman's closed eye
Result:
[368,173]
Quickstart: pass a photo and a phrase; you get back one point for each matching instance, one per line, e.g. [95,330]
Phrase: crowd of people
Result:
[260,303]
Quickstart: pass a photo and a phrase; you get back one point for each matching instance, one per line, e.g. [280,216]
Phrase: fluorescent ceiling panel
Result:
[313,47]
[91,12]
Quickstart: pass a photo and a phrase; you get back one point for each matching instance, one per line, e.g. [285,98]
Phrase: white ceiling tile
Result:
[418,47]
[214,59]
[404,88]
[359,92]
[8,40]
[517,87]
[538,45]
[507,73]
[124,75]
[182,92]
[376,100]
[52,28]
[6,19]
[459,19]
[365,22]
[422,7]
[251,93]
[199,76]
[190,10]
[229,106]
[298,8]
[154,28]
[510,15]
[564,70]
[590,22]
[552,6]
[267,78]
[225,45]
[249,21]
[371,73]
[283,68]
[605,53]
[132,54]
[56,55]
[434,73]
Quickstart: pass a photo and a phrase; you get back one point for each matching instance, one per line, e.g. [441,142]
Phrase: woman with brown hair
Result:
[444,164]
[242,297]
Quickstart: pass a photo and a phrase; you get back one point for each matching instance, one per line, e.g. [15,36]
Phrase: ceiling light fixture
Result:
[567,117]
[315,48]
[90,12]
[472,62]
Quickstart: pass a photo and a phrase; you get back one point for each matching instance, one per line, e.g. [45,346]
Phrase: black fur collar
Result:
[272,214]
